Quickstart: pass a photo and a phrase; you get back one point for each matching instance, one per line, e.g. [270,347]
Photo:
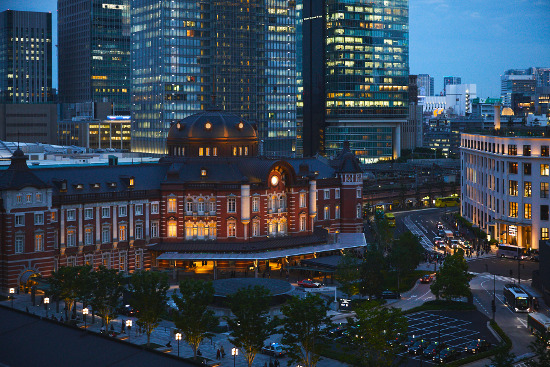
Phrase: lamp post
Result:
[234,353]
[46,303]
[178,338]
[129,326]
[12,292]
[84,315]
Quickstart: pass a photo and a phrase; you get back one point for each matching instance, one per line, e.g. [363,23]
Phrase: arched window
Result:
[201,206]
[303,222]
[255,228]
[172,201]
[172,228]
[188,230]
[337,212]
[327,213]
[274,202]
[200,234]
[212,230]
[212,206]
[281,226]
[272,228]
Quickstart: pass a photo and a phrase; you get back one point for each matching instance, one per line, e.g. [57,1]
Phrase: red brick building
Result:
[212,203]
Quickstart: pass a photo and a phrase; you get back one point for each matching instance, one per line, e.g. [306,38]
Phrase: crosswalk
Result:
[499,277]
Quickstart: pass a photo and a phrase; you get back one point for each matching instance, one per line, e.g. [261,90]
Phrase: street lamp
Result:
[12,292]
[46,303]
[234,353]
[178,338]
[129,326]
[84,314]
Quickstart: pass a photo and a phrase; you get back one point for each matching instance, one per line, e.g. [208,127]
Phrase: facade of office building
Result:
[233,56]
[505,185]
[365,79]
[25,57]
[450,80]
[112,133]
[94,52]
[426,85]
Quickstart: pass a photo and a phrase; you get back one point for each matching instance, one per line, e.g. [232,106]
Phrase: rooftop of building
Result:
[542,132]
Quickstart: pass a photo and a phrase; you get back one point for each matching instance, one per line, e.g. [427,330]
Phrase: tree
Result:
[375,329]
[69,283]
[539,347]
[194,319]
[250,327]
[149,298]
[106,292]
[406,254]
[371,273]
[302,328]
[384,233]
[347,273]
[502,358]
[452,280]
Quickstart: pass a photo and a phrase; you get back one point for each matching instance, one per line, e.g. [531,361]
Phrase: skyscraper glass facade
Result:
[367,58]
[25,57]
[189,56]
[94,52]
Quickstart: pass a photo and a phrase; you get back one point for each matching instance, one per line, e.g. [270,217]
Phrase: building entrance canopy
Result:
[344,241]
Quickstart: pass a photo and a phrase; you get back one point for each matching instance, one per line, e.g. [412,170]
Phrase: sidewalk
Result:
[163,334]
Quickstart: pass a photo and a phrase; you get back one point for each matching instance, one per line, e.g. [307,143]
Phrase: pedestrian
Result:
[271,363]
[218,353]
[222,352]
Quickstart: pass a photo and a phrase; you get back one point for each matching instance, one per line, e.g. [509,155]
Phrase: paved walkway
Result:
[162,335]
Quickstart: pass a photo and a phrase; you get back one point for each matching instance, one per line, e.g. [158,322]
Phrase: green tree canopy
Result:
[194,319]
[502,358]
[106,292]
[539,347]
[374,328]
[304,318]
[250,326]
[70,283]
[371,273]
[347,273]
[453,279]
[149,298]
[406,253]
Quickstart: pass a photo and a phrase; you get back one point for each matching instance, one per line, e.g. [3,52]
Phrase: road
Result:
[424,224]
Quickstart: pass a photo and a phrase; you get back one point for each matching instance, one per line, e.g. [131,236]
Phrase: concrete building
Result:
[459,98]
[94,52]
[363,81]
[32,123]
[26,57]
[517,81]
[484,108]
[450,80]
[113,133]
[505,184]
[411,130]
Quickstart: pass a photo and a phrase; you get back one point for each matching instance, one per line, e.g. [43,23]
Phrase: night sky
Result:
[474,39]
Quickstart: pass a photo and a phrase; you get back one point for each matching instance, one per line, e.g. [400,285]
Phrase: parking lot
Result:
[445,326]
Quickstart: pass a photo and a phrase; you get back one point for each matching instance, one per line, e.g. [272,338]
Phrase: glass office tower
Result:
[25,57]
[366,55]
[191,56]
[94,52]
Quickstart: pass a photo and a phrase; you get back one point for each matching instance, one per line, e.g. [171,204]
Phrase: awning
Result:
[343,241]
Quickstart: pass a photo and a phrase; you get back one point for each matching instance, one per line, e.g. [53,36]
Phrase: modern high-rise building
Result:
[25,57]
[94,52]
[426,85]
[521,83]
[450,80]
[360,93]
[191,56]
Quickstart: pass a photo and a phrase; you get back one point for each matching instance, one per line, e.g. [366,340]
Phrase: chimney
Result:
[497,116]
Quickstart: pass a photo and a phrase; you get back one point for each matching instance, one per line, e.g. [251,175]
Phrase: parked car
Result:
[127,310]
[337,331]
[427,278]
[274,349]
[399,339]
[433,349]
[308,283]
[446,355]
[409,341]
[387,294]
[478,345]
[418,347]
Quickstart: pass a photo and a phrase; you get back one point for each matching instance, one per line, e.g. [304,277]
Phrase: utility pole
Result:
[493,304]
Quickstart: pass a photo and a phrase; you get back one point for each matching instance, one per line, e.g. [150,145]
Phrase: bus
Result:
[514,252]
[390,218]
[539,323]
[516,298]
[447,201]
